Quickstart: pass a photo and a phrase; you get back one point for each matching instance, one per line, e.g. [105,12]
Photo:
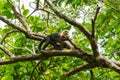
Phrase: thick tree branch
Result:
[10,54]
[47,54]
[29,35]
[109,63]
[74,53]
[70,21]
[94,47]
[21,58]
[117,63]
[42,9]
[92,63]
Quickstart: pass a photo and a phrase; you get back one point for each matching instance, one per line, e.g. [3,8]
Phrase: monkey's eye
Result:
[63,36]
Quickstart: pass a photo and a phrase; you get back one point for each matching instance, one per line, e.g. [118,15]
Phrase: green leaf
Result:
[7,77]
[2,3]
[23,7]
[7,6]
[26,12]
[8,14]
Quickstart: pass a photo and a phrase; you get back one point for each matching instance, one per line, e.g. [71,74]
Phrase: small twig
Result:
[37,4]
[97,11]
[78,69]
[30,4]
[35,67]
[42,8]
[47,24]
[116,9]
[47,19]
[7,34]
[93,22]
[31,13]
[46,11]
[33,48]
[24,48]
[92,75]
[101,74]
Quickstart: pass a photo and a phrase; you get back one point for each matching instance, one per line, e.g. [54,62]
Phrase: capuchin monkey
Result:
[58,40]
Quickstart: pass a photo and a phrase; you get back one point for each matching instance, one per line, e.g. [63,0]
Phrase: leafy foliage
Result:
[107,34]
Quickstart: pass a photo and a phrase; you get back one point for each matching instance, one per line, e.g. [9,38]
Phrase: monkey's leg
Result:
[46,43]
[55,45]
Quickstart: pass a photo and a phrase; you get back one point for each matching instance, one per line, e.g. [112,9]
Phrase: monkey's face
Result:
[65,33]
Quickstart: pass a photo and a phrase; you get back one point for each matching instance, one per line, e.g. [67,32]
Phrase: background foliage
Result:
[107,35]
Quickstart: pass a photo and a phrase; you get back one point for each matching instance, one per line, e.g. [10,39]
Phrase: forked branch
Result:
[20,17]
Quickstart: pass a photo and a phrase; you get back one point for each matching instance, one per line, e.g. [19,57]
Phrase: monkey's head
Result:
[65,33]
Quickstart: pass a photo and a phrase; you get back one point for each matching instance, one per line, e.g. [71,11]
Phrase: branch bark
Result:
[6,51]
[74,53]
[110,64]
[92,63]
[47,54]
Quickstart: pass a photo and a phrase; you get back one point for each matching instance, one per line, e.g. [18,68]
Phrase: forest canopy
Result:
[94,32]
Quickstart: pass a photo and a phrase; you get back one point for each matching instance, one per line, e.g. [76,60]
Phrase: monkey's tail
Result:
[40,44]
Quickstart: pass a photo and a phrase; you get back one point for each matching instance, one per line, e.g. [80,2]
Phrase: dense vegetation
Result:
[94,29]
